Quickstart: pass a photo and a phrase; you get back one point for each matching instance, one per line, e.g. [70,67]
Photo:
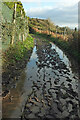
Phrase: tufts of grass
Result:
[64,45]
[18,52]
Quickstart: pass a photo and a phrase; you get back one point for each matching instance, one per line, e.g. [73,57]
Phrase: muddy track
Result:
[53,86]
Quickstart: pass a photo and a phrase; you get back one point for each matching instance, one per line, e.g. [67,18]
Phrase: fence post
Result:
[14,21]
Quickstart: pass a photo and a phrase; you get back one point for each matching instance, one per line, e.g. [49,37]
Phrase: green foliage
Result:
[9,28]
[71,44]
[44,24]
[18,51]
[65,45]
[7,13]
[10,5]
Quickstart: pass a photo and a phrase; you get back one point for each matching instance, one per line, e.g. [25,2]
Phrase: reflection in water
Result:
[71,63]
[52,84]
[62,56]
[48,87]
[14,101]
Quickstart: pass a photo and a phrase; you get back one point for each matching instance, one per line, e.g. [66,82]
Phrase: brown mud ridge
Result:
[54,88]
[12,75]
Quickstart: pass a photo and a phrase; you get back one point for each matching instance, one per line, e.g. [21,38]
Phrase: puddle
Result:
[48,87]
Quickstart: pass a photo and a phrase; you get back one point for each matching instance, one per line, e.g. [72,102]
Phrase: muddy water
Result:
[48,87]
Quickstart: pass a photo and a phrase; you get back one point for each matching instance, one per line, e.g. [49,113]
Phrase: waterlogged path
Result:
[48,87]
[52,84]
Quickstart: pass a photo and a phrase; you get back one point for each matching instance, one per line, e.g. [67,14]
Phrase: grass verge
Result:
[64,45]
[14,60]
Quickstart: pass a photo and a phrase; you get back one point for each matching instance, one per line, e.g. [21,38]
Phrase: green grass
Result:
[18,52]
[64,45]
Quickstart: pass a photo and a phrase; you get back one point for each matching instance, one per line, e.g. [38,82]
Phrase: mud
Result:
[53,85]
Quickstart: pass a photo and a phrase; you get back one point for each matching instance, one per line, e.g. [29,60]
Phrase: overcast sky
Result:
[61,12]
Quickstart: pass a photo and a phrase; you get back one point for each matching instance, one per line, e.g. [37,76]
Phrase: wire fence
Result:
[19,30]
